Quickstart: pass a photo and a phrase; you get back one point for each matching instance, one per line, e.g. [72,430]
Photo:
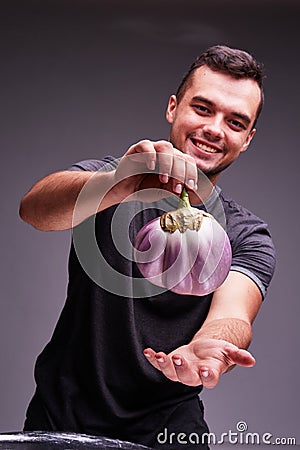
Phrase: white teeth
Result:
[206,148]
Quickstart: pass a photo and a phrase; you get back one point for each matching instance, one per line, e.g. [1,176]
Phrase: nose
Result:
[213,128]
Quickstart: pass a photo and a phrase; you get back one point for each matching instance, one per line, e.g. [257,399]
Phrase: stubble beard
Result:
[213,173]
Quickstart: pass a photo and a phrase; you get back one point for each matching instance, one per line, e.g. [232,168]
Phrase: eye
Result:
[202,109]
[237,124]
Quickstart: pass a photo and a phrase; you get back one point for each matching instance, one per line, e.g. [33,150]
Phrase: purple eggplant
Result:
[186,251]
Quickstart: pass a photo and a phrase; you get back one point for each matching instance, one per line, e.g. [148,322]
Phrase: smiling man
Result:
[126,360]
[213,119]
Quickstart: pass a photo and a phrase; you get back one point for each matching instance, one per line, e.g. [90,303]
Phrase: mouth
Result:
[205,147]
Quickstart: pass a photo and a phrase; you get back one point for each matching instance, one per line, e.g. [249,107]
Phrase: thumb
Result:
[240,357]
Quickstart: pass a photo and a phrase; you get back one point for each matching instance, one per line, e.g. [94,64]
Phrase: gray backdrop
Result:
[86,78]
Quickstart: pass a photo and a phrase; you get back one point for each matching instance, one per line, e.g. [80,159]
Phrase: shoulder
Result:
[93,165]
[240,220]
[253,250]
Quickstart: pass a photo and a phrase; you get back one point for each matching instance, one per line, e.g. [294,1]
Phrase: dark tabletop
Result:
[61,441]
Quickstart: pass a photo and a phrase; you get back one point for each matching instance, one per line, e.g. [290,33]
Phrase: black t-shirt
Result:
[92,375]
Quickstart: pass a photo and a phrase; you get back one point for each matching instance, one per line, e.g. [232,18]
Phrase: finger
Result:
[161,362]
[185,372]
[166,366]
[146,148]
[164,151]
[209,377]
[178,174]
[240,357]
[150,355]
[191,173]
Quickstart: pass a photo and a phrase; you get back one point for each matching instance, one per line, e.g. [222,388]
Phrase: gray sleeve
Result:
[253,251]
[93,165]
[255,257]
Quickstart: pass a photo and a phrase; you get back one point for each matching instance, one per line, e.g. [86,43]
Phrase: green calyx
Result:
[184,218]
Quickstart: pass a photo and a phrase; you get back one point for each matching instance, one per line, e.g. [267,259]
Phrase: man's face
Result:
[213,120]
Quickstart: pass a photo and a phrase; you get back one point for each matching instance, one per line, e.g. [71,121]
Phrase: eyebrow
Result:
[242,116]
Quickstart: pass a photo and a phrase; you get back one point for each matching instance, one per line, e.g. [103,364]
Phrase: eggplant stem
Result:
[183,218]
[184,201]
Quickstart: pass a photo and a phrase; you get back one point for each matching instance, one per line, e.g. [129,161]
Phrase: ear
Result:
[248,140]
[171,109]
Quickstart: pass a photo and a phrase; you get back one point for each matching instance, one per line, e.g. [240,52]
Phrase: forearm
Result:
[235,331]
[50,203]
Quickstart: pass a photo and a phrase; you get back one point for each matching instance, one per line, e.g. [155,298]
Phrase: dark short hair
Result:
[234,62]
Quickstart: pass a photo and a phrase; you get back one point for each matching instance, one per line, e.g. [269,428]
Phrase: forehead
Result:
[224,90]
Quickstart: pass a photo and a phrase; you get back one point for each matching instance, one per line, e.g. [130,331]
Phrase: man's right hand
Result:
[156,165]
[64,199]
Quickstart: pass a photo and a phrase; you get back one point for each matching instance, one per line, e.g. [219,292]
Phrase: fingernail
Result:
[151,165]
[205,374]
[147,355]
[160,359]
[164,177]
[191,184]
[177,361]
[178,188]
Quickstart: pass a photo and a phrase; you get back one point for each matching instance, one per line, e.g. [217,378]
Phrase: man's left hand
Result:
[202,361]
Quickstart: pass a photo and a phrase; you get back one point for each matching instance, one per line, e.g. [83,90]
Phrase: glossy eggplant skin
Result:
[189,263]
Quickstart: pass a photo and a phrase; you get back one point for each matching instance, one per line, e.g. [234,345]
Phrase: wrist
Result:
[233,330]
